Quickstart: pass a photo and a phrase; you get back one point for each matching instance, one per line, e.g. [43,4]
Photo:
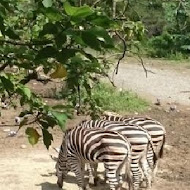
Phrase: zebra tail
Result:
[155,156]
[162,147]
[128,173]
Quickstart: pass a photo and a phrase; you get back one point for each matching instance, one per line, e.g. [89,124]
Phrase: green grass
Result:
[110,99]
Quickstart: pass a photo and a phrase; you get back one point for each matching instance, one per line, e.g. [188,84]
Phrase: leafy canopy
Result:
[61,36]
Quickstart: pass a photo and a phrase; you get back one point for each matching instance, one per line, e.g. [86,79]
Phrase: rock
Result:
[12,134]
[23,146]
[17,120]
[158,103]
[173,107]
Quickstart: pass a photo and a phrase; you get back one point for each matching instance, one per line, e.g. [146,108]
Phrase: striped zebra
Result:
[155,129]
[140,142]
[82,145]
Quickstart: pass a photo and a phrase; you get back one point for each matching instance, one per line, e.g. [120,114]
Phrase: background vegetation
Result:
[167,26]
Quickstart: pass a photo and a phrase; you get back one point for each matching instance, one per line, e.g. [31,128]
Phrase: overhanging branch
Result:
[123,54]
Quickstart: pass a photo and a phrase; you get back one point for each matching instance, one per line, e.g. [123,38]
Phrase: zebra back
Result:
[153,127]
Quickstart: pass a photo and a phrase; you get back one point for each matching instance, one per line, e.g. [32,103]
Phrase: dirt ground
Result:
[24,167]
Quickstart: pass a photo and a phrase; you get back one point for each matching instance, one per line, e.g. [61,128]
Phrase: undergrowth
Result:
[109,98]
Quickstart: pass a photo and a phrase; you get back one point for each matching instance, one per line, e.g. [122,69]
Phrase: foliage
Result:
[167,26]
[68,39]
[167,44]
[109,98]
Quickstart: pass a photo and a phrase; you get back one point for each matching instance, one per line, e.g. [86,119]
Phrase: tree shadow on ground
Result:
[48,186]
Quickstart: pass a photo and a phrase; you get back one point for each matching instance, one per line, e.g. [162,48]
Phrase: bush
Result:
[168,46]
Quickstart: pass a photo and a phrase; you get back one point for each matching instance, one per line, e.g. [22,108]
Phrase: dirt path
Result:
[31,168]
[169,82]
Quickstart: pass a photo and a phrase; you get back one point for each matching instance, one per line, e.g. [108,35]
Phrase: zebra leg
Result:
[78,168]
[135,172]
[152,163]
[146,171]
[92,172]
[112,175]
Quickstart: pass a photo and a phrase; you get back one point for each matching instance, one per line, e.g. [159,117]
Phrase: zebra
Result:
[155,129]
[140,142]
[82,145]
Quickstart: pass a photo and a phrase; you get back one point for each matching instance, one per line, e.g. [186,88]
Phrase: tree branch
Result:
[123,54]
[26,43]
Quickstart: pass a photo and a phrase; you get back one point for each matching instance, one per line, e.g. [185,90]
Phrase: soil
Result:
[24,167]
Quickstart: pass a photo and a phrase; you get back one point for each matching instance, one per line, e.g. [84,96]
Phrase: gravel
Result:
[168,83]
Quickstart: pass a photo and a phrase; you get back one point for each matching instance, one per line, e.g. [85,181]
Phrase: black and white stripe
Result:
[140,142]
[155,129]
[82,145]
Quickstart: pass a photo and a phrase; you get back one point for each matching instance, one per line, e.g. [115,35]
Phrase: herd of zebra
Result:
[129,148]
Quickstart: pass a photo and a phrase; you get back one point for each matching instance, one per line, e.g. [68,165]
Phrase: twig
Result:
[111,80]
[95,3]
[142,63]
[123,54]
[26,43]
[17,125]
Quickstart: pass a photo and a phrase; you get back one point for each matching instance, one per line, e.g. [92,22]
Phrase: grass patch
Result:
[109,98]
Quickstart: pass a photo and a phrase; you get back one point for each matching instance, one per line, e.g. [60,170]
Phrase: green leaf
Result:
[53,14]
[46,52]
[70,10]
[5,4]
[11,34]
[47,138]
[60,39]
[2,27]
[27,92]
[33,135]
[60,117]
[24,91]
[83,12]
[65,54]
[7,83]
[91,40]
[48,28]
[80,12]
[102,21]
[47,3]
[102,33]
